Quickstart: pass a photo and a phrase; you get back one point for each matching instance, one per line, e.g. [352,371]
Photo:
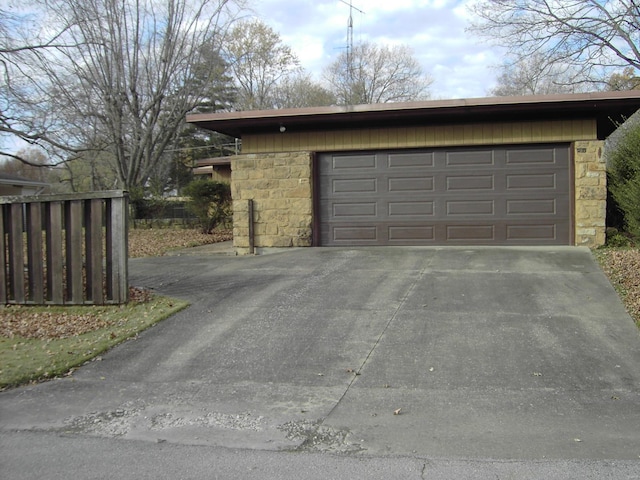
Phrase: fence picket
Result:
[93,245]
[55,260]
[35,253]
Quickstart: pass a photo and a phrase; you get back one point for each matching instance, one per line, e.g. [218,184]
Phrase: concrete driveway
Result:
[450,353]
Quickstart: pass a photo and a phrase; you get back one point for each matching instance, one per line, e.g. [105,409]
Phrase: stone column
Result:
[280,186]
[590,193]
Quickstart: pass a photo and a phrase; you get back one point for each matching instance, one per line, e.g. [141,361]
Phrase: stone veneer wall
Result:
[590,193]
[280,186]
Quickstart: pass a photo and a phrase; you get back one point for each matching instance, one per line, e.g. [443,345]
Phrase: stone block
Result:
[591,193]
[256,173]
[302,191]
[588,181]
[281,172]
[239,174]
[287,184]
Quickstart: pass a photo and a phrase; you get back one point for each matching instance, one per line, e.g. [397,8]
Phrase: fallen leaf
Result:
[397,412]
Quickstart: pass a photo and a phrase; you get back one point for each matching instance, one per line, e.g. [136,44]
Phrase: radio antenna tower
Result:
[350,37]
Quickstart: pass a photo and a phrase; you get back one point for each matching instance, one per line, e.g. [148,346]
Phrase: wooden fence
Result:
[64,249]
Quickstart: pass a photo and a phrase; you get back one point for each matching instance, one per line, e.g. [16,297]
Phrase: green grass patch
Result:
[25,359]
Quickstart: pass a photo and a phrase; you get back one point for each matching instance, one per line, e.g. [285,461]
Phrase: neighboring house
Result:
[488,171]
[218,169]
[15,185]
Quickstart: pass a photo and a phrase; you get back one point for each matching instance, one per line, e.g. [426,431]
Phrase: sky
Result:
[461,65]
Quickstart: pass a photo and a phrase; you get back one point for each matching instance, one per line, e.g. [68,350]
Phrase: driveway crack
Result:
[358,371]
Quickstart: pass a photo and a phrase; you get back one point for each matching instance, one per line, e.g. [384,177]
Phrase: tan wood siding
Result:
[434,136]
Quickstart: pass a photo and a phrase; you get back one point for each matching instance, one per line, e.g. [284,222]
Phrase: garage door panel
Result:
[358,233]
[483,196]
[532,232]
[411,233]
[538,182]
[470,182]
[533,156]
[359,162]
[356,185]
[413,209]
[470,207]
[532,207]
[471,233]
[410,160]
[465,158]
[410,184]
[355,210]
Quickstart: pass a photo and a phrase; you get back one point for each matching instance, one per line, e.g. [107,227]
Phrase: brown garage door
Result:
[516,195]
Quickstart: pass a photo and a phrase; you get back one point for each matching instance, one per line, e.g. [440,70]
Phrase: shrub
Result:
[149,208]
[210,202]
[624,176]
[616,239]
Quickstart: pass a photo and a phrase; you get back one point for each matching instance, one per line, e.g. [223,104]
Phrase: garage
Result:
[511,195]
[484,171]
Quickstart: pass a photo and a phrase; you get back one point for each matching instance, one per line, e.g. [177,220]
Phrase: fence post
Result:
[252,247]
[3,249]
[117,249]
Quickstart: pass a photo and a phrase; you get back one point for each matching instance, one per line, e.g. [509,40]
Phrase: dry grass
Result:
[157,242]
[622,266]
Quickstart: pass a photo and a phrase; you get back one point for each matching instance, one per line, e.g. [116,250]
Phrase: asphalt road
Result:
[352,363]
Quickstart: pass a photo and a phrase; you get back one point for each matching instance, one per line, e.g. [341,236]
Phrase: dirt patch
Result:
[319,438]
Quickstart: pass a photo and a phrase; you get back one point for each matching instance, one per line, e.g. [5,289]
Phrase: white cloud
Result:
[434,29]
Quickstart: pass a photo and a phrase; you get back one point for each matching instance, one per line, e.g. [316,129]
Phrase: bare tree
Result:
[300,91]
[124,75]
[370,73]
[25,35]
[259,61]
[625,80]
[533,76]
[35,166]
[590,36]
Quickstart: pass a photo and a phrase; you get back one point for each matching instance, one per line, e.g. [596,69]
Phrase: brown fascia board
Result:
[605,107]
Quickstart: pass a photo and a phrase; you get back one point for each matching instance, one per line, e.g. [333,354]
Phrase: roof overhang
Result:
[606,108]
[15,181]
[215,162]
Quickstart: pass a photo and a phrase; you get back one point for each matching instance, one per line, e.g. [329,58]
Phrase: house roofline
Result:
[605,107]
